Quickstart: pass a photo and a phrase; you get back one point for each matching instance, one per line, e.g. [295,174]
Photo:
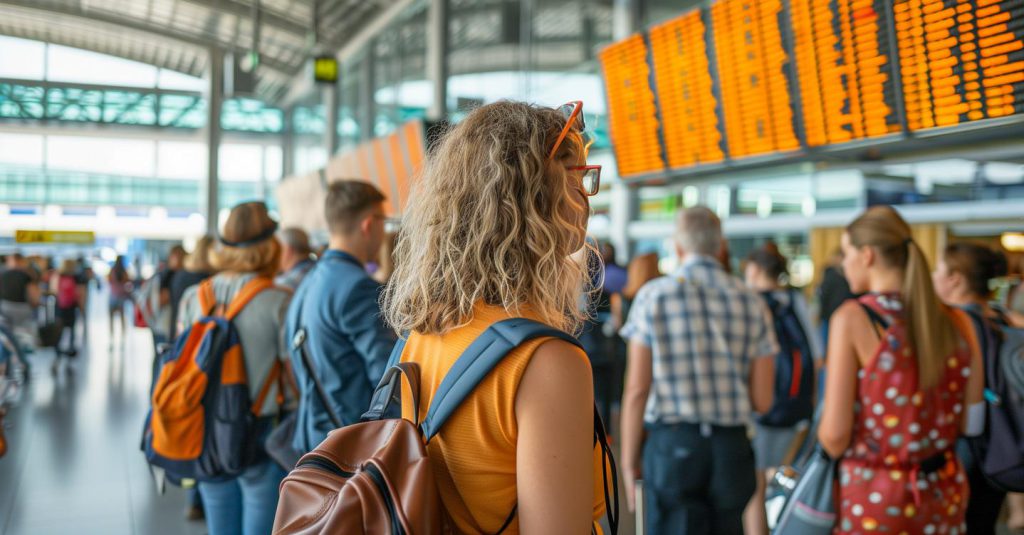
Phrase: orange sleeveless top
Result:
[474,454]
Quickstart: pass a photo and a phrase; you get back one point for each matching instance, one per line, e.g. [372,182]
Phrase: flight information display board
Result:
[844,70]
[685,91]
[744,78]
[960,61]
[751,63]
[633,118]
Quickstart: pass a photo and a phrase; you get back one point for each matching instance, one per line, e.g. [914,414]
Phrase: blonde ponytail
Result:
[930,332]
[929,327]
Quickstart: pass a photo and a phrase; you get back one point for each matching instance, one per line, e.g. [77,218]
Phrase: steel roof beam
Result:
[268,62]
[244,9]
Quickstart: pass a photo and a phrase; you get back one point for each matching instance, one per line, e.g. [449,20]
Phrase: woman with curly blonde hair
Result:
[487,236]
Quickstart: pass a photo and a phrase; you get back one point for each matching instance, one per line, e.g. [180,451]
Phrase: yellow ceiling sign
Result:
[55,236]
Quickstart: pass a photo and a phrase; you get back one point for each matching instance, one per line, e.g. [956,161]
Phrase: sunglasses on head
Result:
[573,113]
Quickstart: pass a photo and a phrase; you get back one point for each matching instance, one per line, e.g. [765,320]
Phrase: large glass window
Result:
[133,157]
[401,90]
[21,149]
[21,58]
[181,159]
[351,116]
[241,162]
[272,162]
[66,64]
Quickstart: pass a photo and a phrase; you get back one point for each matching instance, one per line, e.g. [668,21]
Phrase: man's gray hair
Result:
[699,231]
[295,239]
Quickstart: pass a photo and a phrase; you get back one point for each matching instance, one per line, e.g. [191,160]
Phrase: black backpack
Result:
[999,450]
[794,367]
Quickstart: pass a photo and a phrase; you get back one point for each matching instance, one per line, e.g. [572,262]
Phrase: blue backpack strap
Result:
[477,361]
[396,353]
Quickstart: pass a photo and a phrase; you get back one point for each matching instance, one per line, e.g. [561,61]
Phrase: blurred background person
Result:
[961,279]
[69,299]
[20,294]
[196,268]
[120,288]
[832,292]
[777,431]
[296,257]
[386,259]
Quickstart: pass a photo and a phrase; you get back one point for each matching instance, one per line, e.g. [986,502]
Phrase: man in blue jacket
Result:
[347,340]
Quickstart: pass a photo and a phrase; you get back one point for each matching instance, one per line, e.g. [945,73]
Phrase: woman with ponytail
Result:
[904,381]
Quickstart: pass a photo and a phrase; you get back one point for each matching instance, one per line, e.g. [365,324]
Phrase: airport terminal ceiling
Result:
[177,34]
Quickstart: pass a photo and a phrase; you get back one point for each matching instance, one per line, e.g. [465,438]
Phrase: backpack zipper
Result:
[378,480]
[375,475]
[326,465]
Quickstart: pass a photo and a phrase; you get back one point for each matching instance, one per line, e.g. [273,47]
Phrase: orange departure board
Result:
[844,67]
[960,61]
[685,92]
[632,115]
[752,62]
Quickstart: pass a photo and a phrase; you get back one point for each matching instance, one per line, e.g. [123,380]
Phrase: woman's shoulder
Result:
[554,357]
[849,310]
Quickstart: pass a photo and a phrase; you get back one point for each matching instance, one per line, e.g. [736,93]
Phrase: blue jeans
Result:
[245,505]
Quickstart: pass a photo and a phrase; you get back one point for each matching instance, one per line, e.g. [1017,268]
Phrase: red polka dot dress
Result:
[900,474]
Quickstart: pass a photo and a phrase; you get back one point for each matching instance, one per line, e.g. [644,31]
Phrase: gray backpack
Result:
[999,451]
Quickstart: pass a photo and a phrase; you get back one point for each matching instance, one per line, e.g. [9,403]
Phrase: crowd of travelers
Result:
[711,382]
[42,302]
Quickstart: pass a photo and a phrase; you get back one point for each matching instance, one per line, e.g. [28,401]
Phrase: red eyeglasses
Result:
[573,112]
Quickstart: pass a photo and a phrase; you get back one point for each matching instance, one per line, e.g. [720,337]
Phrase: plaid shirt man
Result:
[704,327]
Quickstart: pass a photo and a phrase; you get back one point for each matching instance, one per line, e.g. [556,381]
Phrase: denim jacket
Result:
[347,343]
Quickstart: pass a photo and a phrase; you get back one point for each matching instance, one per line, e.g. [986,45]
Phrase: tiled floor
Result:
[74,465]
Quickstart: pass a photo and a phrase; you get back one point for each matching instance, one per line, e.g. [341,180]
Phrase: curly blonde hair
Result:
[489,221]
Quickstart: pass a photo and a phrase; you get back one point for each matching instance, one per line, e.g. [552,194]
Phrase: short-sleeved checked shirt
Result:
[704,327]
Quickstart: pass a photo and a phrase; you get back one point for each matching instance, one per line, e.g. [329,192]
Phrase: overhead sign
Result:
[325,69]
[74,237]
[735,79]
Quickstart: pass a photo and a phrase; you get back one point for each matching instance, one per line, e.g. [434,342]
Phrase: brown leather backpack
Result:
[374,476]
[369,477]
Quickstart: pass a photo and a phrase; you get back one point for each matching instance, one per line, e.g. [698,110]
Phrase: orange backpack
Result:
[202,423]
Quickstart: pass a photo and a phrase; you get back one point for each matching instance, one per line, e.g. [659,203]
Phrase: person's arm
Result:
[616,302]
[974,392]
[762,383]
[1015,319]
[836,428]
[362,321]
[554,450]
[761,378]
[639,375]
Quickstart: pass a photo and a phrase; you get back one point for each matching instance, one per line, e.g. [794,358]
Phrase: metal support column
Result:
[288,143]
[367,102]
[437,59]
[625,205]
[215,100]
[331,102]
